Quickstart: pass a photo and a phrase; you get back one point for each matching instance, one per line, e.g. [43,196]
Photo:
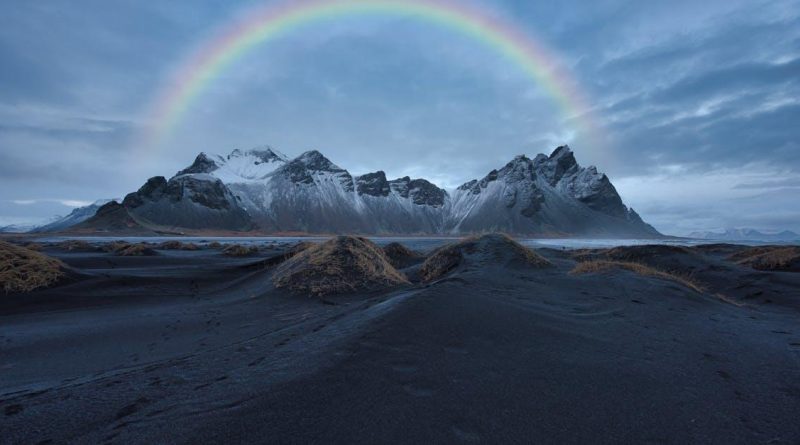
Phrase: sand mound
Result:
[662,257]
[596,266]
[717,248]
[24,270]
[401,256]
[297,248]
[645,252]
[239,250]
[493,248]
[139,249]
[342,264]
[786,258]
[76,246]
[124,248]
[177,245]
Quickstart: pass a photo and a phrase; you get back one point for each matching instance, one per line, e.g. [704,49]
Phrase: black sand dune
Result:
[199,347]
[401,256]
[489,250]
[343,264]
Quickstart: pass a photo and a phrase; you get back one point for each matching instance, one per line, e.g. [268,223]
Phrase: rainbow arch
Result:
[270,21]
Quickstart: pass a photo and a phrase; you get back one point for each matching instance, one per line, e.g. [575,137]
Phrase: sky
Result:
[698,103]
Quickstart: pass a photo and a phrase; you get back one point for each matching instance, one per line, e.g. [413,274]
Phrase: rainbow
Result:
[268,22]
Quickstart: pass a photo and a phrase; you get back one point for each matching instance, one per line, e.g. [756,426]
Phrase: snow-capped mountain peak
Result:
[262,154]
[239,166]
[316,161]
[309,193]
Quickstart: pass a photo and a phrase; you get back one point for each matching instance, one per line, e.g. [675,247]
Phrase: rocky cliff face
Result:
[192,201]
[546,195]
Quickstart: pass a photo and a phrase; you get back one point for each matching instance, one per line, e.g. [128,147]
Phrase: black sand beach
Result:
[200,347]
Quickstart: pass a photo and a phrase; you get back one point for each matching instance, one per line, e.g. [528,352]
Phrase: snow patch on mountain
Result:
[76,216]
[546,195]
[239,166]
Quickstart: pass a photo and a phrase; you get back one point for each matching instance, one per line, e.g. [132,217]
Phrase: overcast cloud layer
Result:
[700,101]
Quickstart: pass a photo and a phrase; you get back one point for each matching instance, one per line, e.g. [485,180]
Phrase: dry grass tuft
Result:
[492,248]
[399,255]
[239,250]
[116,246]
[214,245]
[76,246]
[297,248]
[596,266]
[124,248]
[342,264]
[769,258]
[440,263]
[139,249]
[25,270]
[177,245]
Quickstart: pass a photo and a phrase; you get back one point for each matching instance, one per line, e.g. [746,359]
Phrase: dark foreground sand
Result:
[196,347]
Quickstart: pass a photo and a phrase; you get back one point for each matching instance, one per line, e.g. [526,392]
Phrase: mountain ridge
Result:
[263,189]
[745,234]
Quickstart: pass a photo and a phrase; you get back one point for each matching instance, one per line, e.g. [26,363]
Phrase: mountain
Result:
[746,235]
[548,195]
[18,228]
[239,166]
[77,216]
[262,188]
[115,218]
[193,201]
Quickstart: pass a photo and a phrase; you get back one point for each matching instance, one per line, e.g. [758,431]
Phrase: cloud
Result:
[63,202]
[771,184]
[700,100]
[680,199]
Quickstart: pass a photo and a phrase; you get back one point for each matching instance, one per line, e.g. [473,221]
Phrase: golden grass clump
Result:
[124,248]
[297,248]
[138,249]
[492,248]
[440,263]
[596,266]
[769,258]
[238,250]
[177,245]
[214,245]
[25,270]
[116,246]
[75,246]
[34,246]
[342,264]
[399,255]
